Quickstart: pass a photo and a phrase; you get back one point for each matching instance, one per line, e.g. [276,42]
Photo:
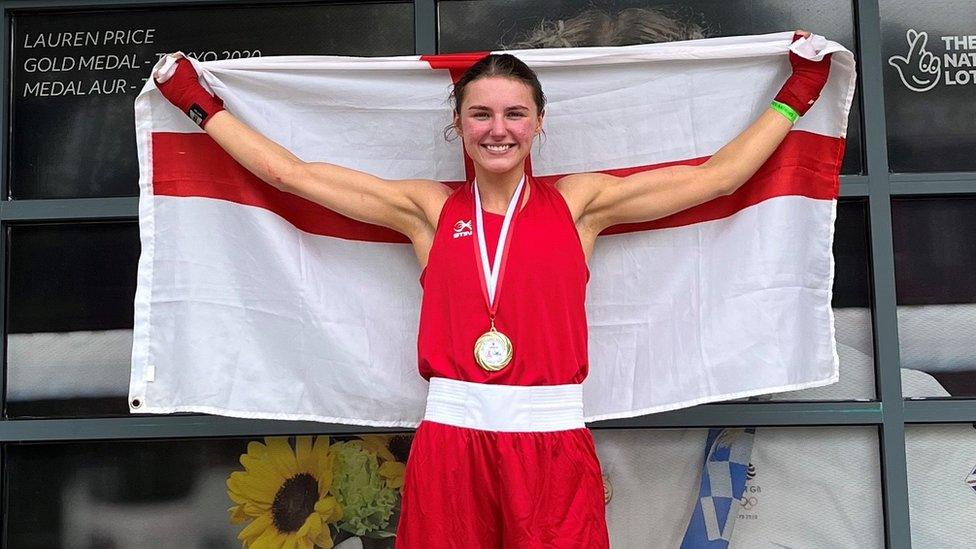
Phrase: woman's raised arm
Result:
[410,206]
[604,200]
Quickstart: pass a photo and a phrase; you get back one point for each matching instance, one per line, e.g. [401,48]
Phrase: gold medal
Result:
[493,350]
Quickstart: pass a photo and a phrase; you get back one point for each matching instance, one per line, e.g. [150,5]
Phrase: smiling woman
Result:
[497,124]
[503,330]
[498,110]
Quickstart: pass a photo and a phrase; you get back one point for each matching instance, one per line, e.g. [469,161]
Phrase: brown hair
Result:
[497,64]
[593,27]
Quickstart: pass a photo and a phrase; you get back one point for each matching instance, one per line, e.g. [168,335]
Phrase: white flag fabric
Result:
[255,303]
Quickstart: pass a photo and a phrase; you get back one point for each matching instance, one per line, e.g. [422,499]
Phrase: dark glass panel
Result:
[815,486]
[75,76]
[852,255]
[176,494]
[935,249]
[935,256]
[69,318]
[929,89]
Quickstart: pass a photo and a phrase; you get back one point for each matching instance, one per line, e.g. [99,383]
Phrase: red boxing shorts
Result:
[502,466]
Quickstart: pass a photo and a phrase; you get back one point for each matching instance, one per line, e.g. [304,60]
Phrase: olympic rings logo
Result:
[749,502]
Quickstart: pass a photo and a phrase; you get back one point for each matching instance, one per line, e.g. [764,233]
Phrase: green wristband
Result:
[785,110]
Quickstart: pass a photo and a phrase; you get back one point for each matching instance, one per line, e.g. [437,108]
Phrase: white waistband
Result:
[505,408]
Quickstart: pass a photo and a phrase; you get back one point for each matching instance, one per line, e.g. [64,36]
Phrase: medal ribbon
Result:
[491,277]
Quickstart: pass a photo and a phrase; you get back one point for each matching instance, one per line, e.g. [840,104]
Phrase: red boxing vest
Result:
[541,300]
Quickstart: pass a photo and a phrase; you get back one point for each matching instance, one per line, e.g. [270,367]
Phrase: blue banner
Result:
[723,480]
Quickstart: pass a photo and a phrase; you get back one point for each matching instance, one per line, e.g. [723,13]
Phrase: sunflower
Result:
[285,493]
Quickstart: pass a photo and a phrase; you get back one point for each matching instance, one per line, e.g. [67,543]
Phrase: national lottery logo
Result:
[462,228]
[921,70]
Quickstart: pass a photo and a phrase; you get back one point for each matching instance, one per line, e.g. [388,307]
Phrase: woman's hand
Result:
[598,201]
[803,87]
[410,207]
[183,90]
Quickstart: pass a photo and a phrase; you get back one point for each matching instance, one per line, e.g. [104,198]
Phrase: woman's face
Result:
[497,123]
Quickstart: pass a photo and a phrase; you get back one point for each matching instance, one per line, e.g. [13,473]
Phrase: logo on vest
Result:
[462,228]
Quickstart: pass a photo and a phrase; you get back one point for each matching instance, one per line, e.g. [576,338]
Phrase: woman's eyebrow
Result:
[486,108]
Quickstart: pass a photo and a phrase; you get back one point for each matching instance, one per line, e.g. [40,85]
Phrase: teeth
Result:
[498,148]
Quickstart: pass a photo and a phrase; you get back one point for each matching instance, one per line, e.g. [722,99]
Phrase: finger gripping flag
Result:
[252,302]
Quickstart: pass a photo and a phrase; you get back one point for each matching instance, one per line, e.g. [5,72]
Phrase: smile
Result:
[498,148]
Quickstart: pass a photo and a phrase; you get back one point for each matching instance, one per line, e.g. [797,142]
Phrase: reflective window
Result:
[69,323]
[941,484]
[75,76]
[930,68]
[507,24]
[795,487]
[197,493]
[804,487]
[935,257]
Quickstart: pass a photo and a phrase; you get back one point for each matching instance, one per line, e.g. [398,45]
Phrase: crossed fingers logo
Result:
[919,70]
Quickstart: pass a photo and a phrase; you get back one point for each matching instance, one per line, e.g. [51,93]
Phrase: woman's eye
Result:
[481,116]
[516,115]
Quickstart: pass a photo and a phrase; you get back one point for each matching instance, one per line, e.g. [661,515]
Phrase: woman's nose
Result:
[498,127]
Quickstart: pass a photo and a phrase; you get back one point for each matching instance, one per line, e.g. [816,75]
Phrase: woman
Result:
[503,457]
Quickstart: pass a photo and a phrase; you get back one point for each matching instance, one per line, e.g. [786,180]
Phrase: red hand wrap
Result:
[803,87]
[183,90]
